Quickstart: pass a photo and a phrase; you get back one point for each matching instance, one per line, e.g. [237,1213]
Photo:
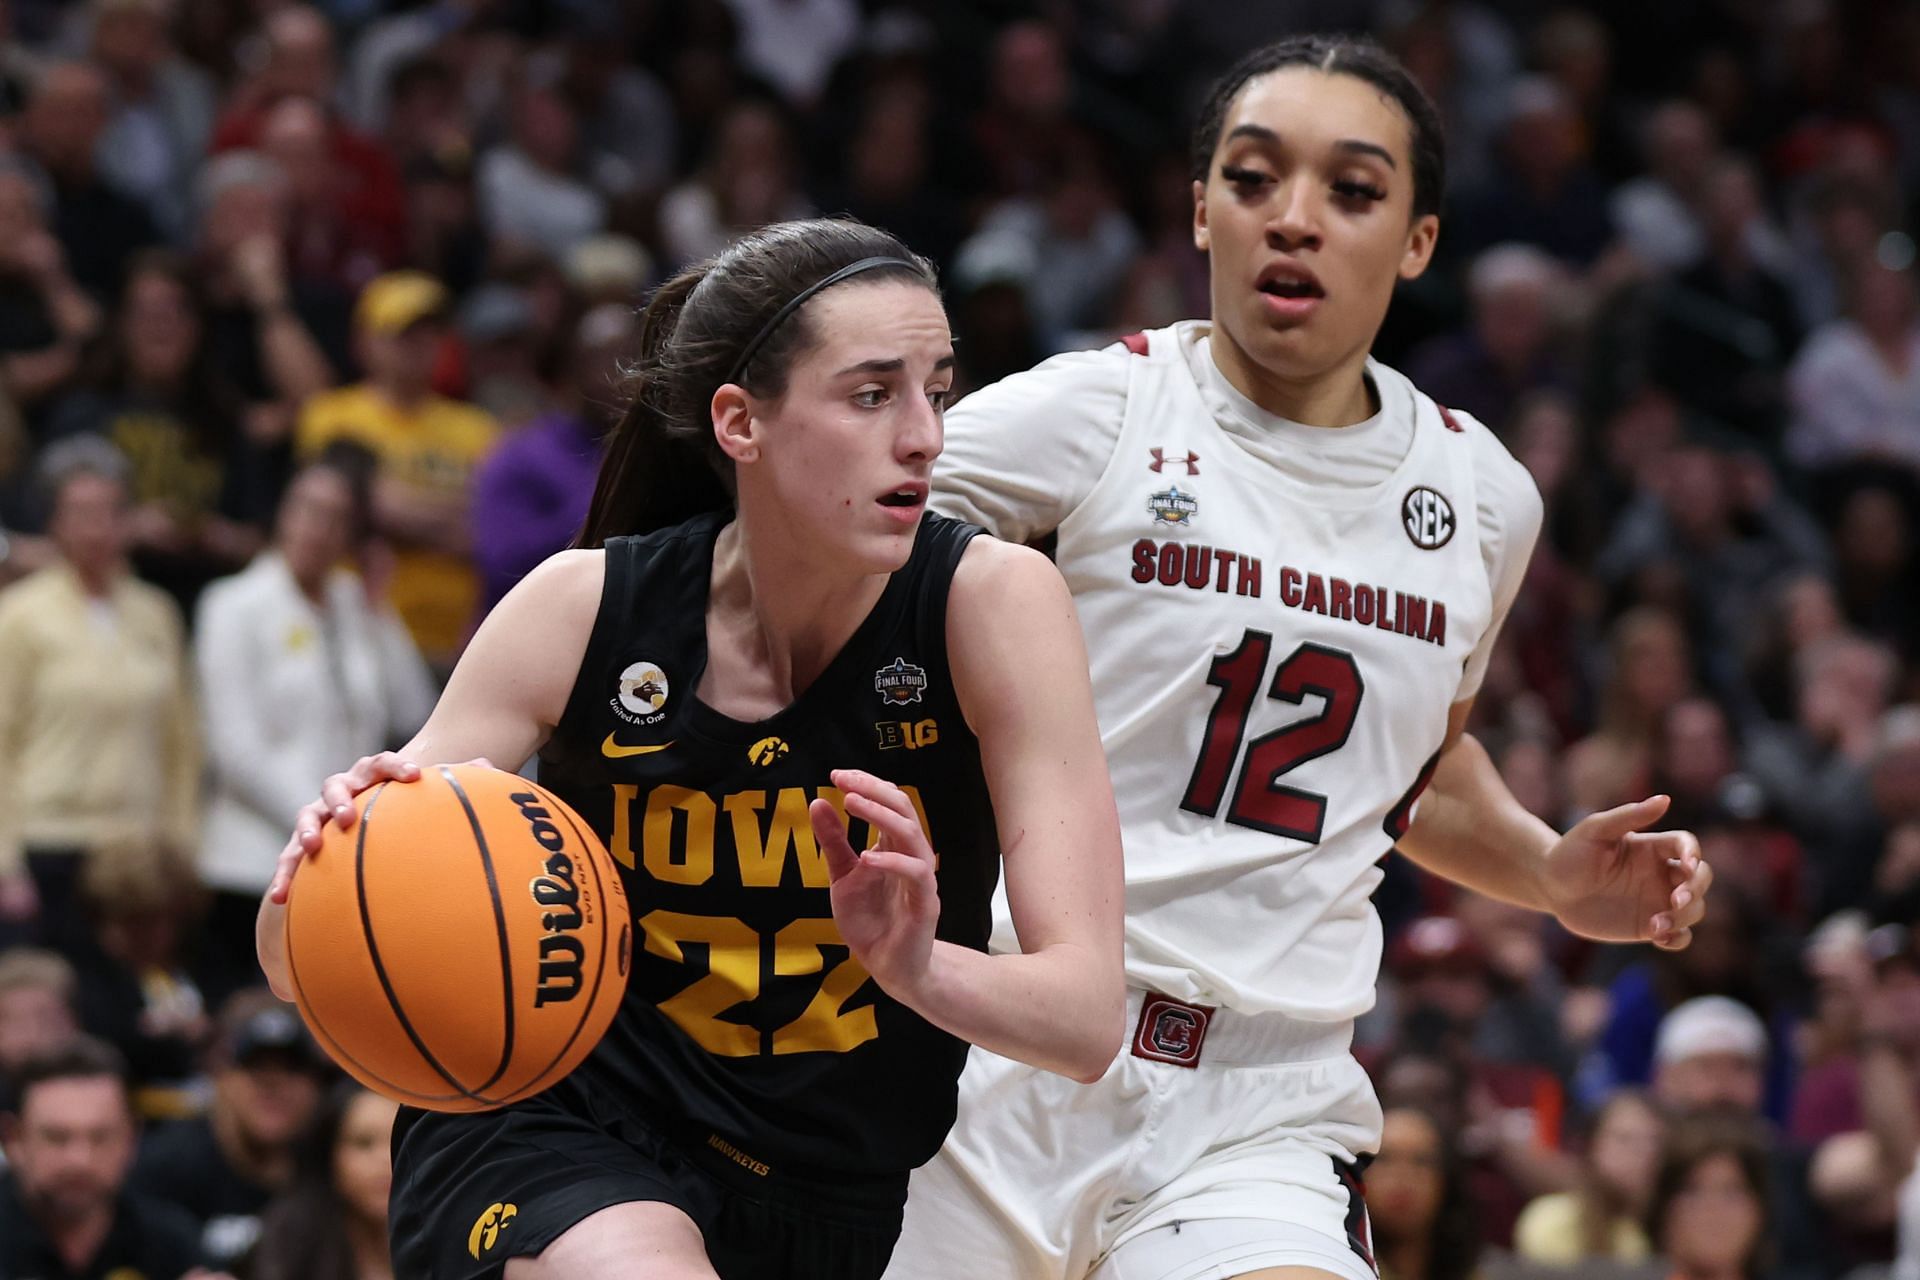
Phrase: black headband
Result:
[752,349]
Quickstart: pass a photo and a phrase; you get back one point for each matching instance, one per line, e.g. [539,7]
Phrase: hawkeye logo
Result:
[1170,506]
[641,692]
[900,682]
[486,1230]
[767,752]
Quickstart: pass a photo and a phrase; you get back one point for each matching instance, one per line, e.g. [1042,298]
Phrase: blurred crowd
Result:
[311,321]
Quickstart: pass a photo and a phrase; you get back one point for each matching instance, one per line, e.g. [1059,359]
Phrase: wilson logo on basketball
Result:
[562,956]
[487,1228]
[1428,517]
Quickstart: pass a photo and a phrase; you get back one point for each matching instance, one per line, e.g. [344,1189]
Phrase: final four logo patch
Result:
[900,682]
[1171,506]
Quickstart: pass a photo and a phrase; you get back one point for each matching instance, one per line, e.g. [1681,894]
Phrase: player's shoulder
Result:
[1504,482]
[998,579]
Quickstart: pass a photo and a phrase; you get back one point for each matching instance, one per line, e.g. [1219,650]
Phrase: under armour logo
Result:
[1160,461]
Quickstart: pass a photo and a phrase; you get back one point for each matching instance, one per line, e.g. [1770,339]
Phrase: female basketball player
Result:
[719,698]
[1292,566]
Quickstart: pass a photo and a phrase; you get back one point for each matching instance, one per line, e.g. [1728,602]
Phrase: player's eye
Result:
[1360,192]
[941,397]
[870,397]
[1244,178]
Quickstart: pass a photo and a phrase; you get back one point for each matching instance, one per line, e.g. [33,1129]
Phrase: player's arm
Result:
[1021,454]
[1020,669]
[502,702]
[1608,878]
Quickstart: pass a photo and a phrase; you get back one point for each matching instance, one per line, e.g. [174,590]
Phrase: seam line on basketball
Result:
[606,927]
[500,928]
[332,1045]
[373,953]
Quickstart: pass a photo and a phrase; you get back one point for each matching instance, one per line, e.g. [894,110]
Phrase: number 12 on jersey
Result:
[1261,801]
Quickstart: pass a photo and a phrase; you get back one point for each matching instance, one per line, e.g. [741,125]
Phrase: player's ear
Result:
[1201,239]
[734,425]
[1422,236]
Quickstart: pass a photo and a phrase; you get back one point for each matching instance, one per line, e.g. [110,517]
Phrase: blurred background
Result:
[287,288]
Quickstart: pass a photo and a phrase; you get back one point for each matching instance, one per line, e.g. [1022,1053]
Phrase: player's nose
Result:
[1294,217]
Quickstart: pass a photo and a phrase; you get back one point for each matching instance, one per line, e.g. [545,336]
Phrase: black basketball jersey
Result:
[748,1027]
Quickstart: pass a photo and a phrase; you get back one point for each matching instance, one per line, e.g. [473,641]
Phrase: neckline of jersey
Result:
[716,726]
[1243,420]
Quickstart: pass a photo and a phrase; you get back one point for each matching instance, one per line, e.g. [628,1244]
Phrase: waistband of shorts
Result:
[1226,1037]
[863,1200]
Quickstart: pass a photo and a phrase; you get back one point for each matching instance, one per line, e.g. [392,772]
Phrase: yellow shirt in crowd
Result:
[98,738]
[436,447]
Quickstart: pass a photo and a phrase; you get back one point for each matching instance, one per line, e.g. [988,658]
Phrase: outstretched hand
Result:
[1611,880]
[885,901]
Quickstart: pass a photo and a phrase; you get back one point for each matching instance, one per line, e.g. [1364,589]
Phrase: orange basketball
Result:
[464,945]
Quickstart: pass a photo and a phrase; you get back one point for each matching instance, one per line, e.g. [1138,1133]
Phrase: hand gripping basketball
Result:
[886,900]
[336,805]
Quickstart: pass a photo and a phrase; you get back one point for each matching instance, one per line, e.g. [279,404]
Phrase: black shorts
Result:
[471,1191]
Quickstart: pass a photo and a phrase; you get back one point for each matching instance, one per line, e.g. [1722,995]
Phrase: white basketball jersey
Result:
[1273,665]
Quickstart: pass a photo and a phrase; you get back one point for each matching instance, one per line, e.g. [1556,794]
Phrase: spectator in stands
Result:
[37,1011]
[46,318]
[65,1211]
[1025,129]
[301,64]
[794,44]
[332,241]
[298,666]
[1710,1218]
[1605,1217]
[1726,326]
[531,496]
[223,1168]
[1543,194]
[532,192]
[428,448]
[746,180]
[158,397]
[277,340]
[1817,770]
[1507,352]
[1876,572]
[85,759]
[1649,669]
[1657,215]
[137,991]
[60,131]
[332,1223]
[1855,386]
[1418,1208]
[162,112]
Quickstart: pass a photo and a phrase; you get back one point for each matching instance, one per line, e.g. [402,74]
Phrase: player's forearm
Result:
[1060,1008]
[1469,829]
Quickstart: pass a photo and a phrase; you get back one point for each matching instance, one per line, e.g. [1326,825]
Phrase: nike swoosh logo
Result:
[614,751]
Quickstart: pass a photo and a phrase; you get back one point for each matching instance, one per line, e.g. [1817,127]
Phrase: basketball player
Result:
[1291,566]
[719,699]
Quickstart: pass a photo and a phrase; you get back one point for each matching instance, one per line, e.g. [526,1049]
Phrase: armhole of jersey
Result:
[935,588]
[1133,367]
[614,588]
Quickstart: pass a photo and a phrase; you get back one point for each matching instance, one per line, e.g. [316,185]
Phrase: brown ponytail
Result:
[663,465]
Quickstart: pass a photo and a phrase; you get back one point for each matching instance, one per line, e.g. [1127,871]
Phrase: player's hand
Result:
[335,805]
[1611,880]
[885,900]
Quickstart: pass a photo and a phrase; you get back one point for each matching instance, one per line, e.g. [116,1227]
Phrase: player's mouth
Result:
[1289,291]
[906,502]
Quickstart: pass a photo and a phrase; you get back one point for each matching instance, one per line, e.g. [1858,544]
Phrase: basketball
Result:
[463,945]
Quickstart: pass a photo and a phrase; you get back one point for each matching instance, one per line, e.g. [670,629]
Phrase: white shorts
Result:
[1158,1171]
